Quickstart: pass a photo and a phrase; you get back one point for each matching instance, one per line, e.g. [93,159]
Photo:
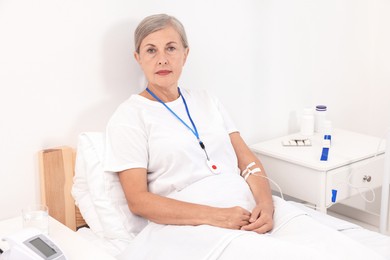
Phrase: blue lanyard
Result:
[194,130]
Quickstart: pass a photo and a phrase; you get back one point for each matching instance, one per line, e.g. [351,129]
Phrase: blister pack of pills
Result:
[297,142]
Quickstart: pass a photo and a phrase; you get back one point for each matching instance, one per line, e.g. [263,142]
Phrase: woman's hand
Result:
[261,219]
[232,218]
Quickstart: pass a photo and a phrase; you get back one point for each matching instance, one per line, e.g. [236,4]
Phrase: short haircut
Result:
[155,23]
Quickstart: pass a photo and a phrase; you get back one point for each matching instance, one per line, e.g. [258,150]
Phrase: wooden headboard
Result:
[56,175]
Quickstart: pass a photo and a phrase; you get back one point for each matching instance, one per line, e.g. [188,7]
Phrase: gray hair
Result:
[155,23]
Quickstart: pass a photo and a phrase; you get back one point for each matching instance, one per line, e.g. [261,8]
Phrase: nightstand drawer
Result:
[354,178]
[297,181]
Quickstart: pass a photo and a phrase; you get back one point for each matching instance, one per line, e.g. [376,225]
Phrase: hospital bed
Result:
[92,202]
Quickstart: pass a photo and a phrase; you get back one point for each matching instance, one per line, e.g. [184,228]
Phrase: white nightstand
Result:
[353,158]
[73,245]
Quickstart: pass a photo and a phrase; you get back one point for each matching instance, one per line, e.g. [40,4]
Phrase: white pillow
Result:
[99,194]
[82,196]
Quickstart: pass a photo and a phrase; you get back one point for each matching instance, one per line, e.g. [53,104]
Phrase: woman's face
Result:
[162,57]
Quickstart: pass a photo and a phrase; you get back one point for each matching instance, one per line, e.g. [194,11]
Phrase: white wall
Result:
[66,65]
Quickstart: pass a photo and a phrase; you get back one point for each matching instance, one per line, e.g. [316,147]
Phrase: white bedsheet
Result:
[296,235]
[301,238]
[238,248]
[378,242]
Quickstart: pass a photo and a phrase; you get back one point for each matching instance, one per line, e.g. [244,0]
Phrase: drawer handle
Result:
[366,178]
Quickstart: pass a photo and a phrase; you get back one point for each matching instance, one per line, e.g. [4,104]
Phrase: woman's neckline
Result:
[171,96]
[152,101]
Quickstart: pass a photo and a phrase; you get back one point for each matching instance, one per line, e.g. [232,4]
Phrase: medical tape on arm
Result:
[248,171]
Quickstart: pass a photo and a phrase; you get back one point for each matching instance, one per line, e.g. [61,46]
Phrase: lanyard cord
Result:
[194,131]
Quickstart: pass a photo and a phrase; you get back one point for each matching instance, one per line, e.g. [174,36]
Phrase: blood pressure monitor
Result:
[31,244]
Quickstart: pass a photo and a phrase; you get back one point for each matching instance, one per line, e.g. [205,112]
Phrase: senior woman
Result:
[179,159]
[165,138]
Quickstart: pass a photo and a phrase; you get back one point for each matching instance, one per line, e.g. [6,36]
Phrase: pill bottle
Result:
[307,122]
[320,117]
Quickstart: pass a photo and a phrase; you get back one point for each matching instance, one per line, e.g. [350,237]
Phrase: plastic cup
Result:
[36,216]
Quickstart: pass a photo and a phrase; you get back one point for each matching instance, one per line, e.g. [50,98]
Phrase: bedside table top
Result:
[346,147]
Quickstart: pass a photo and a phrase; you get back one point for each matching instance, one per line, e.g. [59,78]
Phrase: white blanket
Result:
[295,235]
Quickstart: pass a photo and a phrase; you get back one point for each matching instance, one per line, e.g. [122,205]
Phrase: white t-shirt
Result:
[144,134]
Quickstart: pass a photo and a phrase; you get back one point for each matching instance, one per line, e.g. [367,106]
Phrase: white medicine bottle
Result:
[307,122]
[320,117]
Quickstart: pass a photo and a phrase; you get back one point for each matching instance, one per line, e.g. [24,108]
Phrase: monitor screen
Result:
[44,248]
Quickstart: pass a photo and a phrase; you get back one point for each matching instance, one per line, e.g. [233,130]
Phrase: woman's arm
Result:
[164,210]
[261,220]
